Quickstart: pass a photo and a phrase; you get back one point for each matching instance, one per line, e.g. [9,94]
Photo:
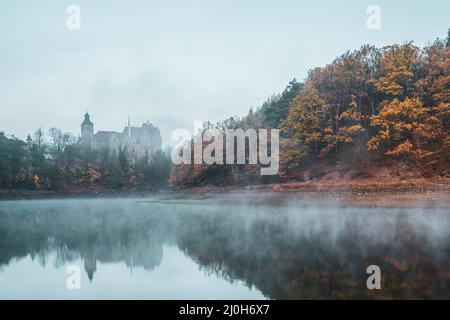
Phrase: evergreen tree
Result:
[276,109]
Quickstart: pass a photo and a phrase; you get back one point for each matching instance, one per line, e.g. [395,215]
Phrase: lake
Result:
[204,248]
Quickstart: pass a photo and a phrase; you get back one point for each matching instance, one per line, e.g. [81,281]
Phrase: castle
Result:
[139,143]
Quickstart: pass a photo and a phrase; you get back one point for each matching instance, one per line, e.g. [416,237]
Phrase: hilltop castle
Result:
[139,143]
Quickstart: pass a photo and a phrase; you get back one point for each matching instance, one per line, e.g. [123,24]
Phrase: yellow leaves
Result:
[303,123]
[93,175]
[447,141]
[399,123]
[347,134]
[292,153]
[413,119]
[403,148]
[349,123]
[401,114]
[376,121]
[384,134]
[392,89]
[350,115]
[37,181]
[442,110]
[341,101]
[373,143]
[355,129]
[397,64]
[313,138]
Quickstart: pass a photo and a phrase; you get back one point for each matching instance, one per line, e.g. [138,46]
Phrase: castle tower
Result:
[129,128]
[87,129]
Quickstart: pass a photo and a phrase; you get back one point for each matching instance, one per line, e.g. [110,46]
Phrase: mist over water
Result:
[160,248]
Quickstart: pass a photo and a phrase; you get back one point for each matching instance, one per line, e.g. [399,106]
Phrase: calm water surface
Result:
[209,249]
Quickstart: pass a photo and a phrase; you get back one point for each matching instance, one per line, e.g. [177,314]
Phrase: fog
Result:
[174,62]
[288,250]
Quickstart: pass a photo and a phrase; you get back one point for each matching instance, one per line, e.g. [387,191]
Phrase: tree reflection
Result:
[285,252]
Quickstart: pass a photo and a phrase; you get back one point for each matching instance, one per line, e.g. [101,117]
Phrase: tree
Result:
[447,43]
[403,128]
[39,140]
[393,101]
[60,140]
[351,126]
[12,157]
[397,66]
[276,109]
[305,125]
[56,138]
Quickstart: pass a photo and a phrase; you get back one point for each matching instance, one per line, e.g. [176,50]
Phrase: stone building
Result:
[139,143]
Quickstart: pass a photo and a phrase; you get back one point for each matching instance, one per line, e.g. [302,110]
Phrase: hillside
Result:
[374,114]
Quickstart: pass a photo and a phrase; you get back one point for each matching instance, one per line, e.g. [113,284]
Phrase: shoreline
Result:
[403,194]
[400,194]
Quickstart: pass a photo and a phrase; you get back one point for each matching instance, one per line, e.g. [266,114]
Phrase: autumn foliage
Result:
[389,104]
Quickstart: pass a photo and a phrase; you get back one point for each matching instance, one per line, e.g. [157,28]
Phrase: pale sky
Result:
[175,62]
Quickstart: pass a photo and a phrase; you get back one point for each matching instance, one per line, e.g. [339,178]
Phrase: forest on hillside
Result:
[54,162]
[368,109]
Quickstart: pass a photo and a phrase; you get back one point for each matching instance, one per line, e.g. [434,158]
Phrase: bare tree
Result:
[56,137]
[60,140]
[39,139]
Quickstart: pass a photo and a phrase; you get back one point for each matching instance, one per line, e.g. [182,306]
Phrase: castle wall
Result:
[140,142]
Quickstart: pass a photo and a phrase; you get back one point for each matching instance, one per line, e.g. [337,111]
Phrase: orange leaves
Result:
[396,66]
[37,181]
[400,94]
[395,101]
[93,175]
[403,148]
[406,128]
[347,134]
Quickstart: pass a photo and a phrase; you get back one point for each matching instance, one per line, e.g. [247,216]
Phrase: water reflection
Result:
[289,251]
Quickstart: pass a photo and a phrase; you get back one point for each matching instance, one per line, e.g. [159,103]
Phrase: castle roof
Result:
[87,120]
[139,133]
[106,136]
[147,135]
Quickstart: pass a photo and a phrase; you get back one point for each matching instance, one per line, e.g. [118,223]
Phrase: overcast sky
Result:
[174,62]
